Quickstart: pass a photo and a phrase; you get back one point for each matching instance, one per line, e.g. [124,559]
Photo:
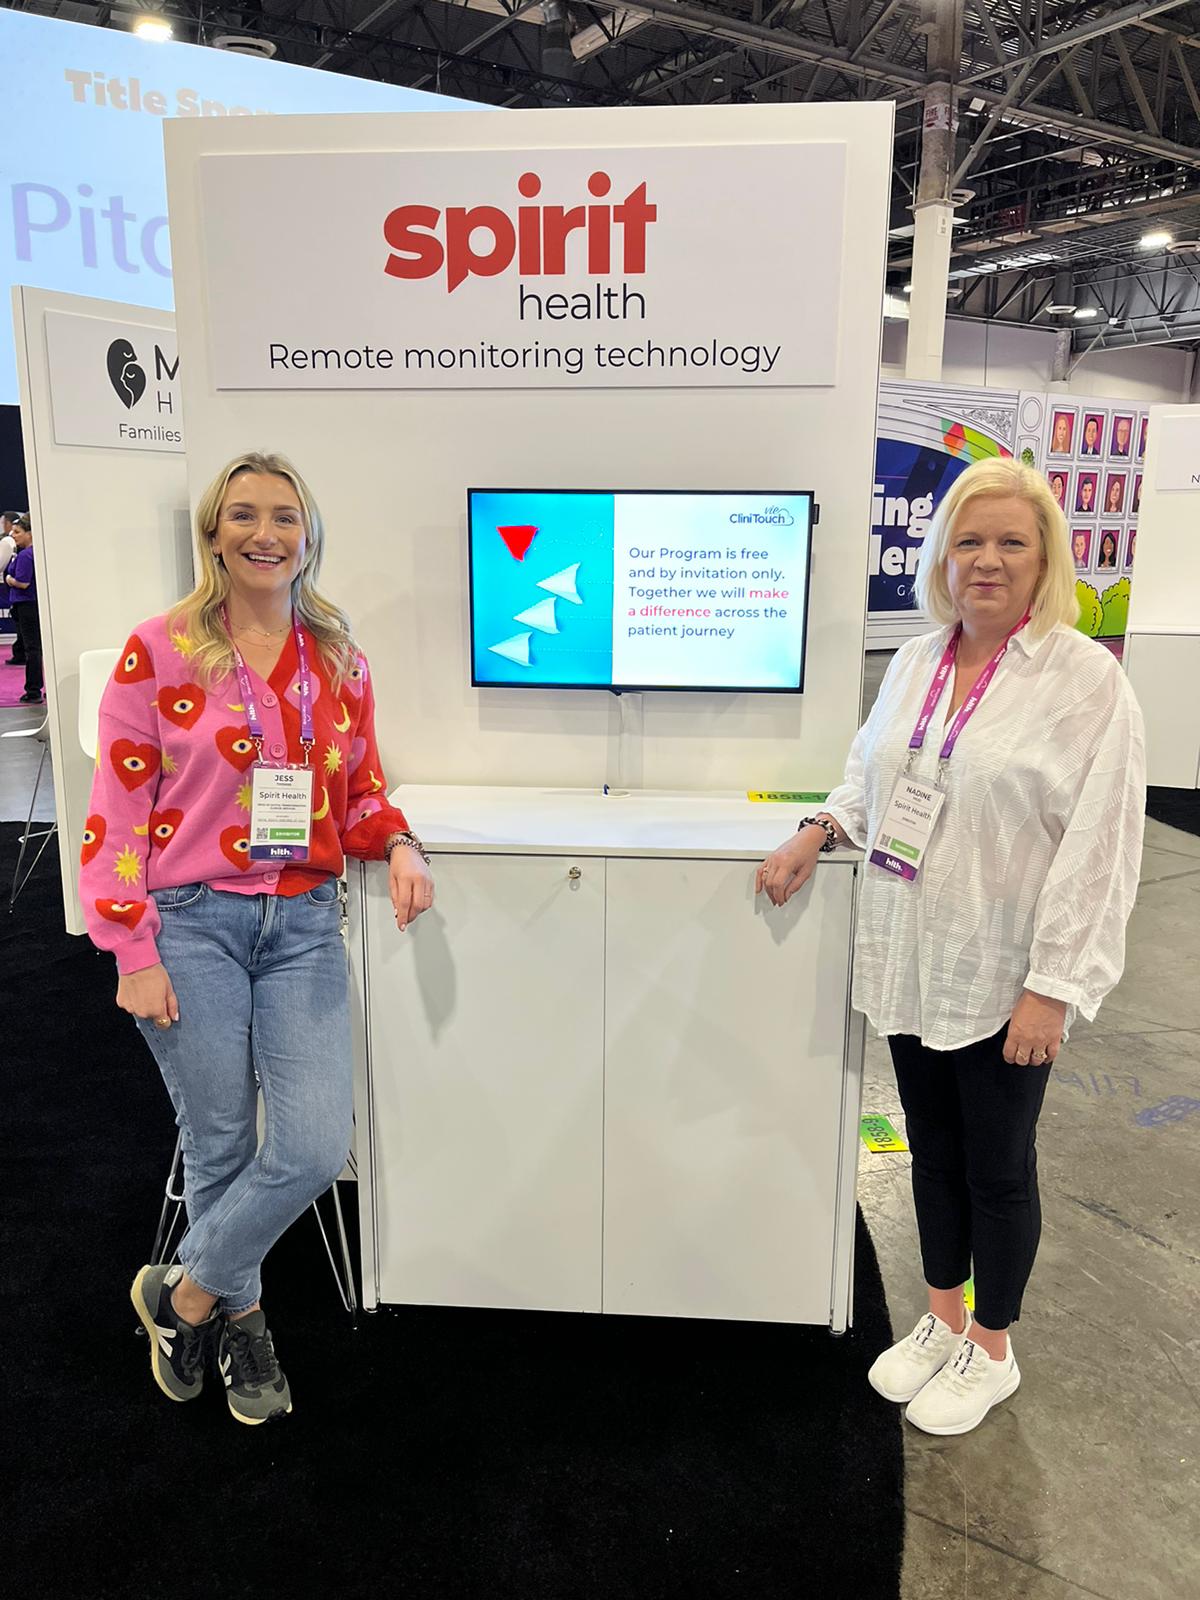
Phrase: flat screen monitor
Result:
[639,589]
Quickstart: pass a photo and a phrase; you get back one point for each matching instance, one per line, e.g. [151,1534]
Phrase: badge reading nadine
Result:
[907,827]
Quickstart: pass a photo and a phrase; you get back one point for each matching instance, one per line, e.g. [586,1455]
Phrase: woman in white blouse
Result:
[1013,922]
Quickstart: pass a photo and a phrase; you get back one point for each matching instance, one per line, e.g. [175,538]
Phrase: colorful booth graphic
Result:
[926,435]
[1092,452]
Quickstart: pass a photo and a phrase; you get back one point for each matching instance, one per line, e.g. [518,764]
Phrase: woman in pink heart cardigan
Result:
[234,967]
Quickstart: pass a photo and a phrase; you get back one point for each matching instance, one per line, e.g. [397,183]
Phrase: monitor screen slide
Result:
[639,589]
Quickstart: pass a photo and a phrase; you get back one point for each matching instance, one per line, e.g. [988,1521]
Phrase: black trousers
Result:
[17,654]
[972,1121]
[29,631]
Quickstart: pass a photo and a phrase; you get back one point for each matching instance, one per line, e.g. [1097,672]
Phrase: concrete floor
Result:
[1086,1482]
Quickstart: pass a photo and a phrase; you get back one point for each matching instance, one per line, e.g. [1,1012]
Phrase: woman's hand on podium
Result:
[149,994]
[789,868]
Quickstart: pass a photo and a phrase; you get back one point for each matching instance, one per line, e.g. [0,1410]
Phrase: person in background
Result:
[983,936]
[8,549]
[229,953]
[21,583]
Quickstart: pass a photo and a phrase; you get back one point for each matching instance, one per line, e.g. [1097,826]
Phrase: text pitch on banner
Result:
[613,268]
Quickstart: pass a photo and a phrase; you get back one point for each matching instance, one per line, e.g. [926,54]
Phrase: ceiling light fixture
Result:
[1155,241]
[156,29]
[1084,313]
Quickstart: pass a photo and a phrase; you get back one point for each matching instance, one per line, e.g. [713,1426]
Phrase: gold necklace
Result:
[267,633]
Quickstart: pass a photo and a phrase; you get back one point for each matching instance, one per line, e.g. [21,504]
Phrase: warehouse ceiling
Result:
[1078,132]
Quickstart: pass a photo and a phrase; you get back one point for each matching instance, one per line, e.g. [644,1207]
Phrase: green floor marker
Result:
[879,1136]
[969,1294]
[794,797]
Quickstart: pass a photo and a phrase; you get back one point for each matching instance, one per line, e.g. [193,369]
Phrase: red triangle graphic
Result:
[518,539]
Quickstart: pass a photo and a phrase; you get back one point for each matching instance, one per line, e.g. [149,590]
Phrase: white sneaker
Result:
[959,1397]
[903,1371]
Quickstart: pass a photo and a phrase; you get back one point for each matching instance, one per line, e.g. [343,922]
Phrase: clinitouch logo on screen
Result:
[772,517]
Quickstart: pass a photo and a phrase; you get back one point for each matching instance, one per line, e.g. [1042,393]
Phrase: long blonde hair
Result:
[197,617]
[1054,598]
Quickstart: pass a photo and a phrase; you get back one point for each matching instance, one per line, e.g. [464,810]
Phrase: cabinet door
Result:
[724,1059]
[486,1022]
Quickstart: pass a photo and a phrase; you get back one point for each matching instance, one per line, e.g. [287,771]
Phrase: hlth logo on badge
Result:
[536,239]
[128,378]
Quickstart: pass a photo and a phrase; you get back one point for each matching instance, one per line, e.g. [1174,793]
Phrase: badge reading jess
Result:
[908,825]
[280,813]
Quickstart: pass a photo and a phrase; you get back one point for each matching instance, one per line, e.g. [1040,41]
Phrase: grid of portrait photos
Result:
[1095,457]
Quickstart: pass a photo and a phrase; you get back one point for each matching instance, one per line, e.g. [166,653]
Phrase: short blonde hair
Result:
[198,615]
[1054,598]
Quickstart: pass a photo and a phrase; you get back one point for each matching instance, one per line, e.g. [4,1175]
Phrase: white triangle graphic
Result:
[563,584]
[514,649]
[540,616]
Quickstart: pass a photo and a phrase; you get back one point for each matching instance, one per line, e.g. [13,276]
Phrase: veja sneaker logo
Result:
[484,241]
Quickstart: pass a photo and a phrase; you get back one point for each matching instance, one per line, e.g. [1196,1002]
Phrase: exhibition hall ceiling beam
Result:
[1110,22]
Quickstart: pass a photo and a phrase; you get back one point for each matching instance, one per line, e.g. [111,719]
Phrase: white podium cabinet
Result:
[600,1074]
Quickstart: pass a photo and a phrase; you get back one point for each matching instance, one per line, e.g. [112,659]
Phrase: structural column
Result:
[933,209]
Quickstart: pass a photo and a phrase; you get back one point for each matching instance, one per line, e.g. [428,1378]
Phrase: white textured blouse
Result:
[1031,874]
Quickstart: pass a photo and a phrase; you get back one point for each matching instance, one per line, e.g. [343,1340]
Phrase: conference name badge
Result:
[280,813]
[907,826]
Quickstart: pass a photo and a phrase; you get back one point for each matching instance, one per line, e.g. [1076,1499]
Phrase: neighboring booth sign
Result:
[504,269]
[1178,445]
[1091,450]
[113,384]
[926,435]
[1093,453]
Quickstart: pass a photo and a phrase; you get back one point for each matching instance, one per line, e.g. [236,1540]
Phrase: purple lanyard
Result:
[250,705]
[967,710]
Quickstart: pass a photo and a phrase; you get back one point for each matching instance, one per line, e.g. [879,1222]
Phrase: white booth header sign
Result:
[698,266]
[113,384]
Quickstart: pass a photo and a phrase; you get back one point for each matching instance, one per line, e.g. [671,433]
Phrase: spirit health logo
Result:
[484,241]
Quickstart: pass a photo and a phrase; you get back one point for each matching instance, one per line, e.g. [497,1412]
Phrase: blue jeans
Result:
[263,1005]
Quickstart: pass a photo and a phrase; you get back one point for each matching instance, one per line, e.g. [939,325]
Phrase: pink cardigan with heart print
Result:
[171,798]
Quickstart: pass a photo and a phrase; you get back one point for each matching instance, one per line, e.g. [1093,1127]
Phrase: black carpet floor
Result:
[1178,808]
[433,1453]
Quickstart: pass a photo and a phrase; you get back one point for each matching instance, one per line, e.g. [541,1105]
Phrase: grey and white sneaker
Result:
[177,1348]
[255,1387]
[901,1372]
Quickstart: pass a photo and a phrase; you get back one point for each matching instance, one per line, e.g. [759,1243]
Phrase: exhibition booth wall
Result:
[1163,643]
[1009,355]
[1091,448]
[108,497]
[391,466]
